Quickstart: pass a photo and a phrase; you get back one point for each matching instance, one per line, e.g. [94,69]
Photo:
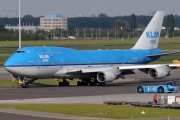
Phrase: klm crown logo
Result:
[154,34]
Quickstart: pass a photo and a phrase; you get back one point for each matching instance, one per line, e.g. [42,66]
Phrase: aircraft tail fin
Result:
[150,37]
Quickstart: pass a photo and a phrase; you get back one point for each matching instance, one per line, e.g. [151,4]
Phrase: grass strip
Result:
[40,82]
[103,111]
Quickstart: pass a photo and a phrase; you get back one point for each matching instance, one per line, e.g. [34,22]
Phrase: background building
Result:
[53,21]
[24,27]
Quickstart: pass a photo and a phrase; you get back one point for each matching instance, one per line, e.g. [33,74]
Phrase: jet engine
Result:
[106,76]
[159,72]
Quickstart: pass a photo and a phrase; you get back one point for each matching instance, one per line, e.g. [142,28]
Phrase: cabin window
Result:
[20,51]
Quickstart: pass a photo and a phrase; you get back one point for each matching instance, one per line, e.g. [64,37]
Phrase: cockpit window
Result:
[20,51]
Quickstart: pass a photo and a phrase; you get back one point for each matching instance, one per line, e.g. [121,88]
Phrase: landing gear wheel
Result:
[84,83]
[79,83]
[24,85]
[92,84]
[60,83]
[160,90]
[64,83]
[140,89]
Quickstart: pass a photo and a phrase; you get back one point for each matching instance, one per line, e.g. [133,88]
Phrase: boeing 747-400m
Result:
[92,67]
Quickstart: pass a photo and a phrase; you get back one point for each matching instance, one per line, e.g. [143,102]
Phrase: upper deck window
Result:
[20,51]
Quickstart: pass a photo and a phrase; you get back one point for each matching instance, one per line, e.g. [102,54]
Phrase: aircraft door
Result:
[61,62]
[121,60]
[89,61]
[49,52]
[112,61]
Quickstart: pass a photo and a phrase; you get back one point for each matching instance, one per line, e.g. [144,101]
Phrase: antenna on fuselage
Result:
[19,23]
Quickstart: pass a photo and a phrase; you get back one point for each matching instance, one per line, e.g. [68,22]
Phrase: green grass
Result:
[7,50]
[164,44]
[81,42]
[51,82]
[67,42]
[41,82]
[7,83]
[3,59]
[93,110]
[166,59]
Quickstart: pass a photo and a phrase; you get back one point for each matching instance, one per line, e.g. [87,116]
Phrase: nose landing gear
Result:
[25,83]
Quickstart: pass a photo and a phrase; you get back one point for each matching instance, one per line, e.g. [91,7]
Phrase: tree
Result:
[28,16]
[133,22]
[140,26]
[2,29]
[171,30]
[122,25]
[121,28]
[170,24]
[102,15]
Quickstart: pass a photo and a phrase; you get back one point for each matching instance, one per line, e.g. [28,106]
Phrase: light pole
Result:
[91,33]
[96,33]
[99,33]
[61,33]
[84,33]
[108,34]
[19,23]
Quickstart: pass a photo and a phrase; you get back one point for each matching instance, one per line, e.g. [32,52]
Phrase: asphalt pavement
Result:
[120,90]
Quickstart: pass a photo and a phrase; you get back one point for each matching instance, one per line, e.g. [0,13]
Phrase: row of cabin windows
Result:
[55,63]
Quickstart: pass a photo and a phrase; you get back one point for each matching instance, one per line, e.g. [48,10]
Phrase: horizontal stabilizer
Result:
[163,54]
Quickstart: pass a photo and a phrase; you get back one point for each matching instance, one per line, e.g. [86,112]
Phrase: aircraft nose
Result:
[9,62]
[8,65]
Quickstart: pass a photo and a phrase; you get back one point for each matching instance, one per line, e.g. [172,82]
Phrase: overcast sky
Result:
[73,8]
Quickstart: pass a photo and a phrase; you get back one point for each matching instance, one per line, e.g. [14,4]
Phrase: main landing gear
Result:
[86,82]
[83,82]
[64,83]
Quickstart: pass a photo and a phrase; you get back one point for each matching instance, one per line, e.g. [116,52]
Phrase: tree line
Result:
[99,27]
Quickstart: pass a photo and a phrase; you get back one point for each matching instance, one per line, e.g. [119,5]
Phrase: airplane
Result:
[92,67]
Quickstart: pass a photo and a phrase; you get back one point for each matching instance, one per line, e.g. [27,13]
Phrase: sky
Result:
[74,8]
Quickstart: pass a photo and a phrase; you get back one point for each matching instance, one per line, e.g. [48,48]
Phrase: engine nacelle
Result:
[159,72]
[106,76]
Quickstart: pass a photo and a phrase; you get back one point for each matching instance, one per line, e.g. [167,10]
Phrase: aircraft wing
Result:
[122,68]
[148,66]
[87,70]
[154,71]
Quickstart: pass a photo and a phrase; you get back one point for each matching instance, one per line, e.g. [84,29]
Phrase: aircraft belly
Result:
[34,72]
[15,70]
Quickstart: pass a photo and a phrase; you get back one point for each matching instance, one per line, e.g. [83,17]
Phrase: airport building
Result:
[25,27]
[53,21]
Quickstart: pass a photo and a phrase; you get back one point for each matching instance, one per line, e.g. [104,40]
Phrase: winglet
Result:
[150,37]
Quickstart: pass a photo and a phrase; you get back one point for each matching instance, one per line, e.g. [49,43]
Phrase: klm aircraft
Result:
[92,67]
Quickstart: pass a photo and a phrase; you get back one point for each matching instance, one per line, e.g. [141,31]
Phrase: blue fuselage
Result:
[59,56]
